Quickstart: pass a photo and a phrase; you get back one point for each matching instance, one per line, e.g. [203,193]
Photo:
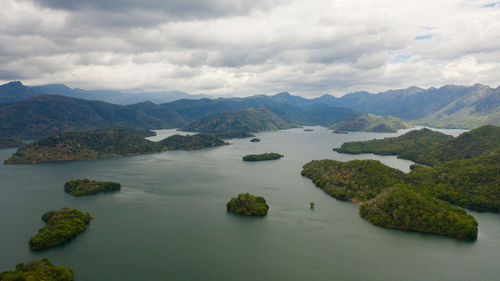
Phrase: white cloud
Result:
[250,47]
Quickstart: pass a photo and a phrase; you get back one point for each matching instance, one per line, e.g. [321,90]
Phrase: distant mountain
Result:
[247,120]
[371,123]
[16,91]
[449,106]
[48,115]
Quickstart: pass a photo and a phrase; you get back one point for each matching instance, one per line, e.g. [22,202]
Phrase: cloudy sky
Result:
[250,47]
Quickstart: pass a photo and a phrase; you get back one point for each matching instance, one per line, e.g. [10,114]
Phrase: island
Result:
[230,134]
[308,130]
[6,142]
[248,205]
[339,132]
[371,123]
[255,140]
[262,157]
[86,187]
[105,143]
[390,198]
[41,269]
[62,225]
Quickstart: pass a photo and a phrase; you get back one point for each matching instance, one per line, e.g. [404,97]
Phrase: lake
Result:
[169,221]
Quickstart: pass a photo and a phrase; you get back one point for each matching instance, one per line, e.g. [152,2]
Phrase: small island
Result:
[87,187]
[262,157]
[248,205]
[308,130]
[255,140]
[41,269]
[62,225]
[339,132]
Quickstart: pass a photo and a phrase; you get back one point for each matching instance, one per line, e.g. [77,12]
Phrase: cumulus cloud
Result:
[250,47]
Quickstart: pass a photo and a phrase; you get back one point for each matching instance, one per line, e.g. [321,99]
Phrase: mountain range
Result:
[38,111]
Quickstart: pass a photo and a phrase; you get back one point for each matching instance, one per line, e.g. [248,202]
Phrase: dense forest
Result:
[62,225]
[38,270]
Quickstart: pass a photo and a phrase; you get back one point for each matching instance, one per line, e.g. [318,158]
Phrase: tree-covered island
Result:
[248,205]
[38,270]
[62,225]
[262,157]
[106,143]
[86,187]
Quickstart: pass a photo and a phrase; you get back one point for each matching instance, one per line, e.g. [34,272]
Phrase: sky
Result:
[243,48]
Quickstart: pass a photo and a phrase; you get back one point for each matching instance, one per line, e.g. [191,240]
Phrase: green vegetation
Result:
[429,147]
[255,140]
[62,225]
[262,157]
[358,180]
[230,134]
[412,145]
[308,130]
[247,120]
[391,198]
[9,142]
[401,207]
[86,187]
[248,205]
[38,270]
[106,143]
[192,142]
[470,183]
[371,123]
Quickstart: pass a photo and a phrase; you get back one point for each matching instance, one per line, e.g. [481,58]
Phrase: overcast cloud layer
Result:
[250,47]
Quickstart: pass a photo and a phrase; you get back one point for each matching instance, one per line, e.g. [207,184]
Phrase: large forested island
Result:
[106,143]
[38,270]
[62,225]
[387,201]
[87,187]
[370,123]
[462,171]
[248,205]
[262,157]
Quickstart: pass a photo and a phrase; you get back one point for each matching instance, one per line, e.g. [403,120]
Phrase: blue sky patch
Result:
[423,37]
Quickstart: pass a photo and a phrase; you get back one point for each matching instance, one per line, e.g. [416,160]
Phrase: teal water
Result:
[169,221]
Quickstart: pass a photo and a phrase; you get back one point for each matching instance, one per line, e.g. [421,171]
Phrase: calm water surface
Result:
[169,221]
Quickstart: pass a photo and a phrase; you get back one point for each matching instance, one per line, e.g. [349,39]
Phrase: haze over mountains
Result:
[33,112]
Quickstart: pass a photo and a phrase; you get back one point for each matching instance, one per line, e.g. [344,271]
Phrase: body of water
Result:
[169,221]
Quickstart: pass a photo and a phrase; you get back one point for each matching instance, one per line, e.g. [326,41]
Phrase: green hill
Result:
[247,120]
[248,205]
[428,147]
[371,123]
[106,143]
